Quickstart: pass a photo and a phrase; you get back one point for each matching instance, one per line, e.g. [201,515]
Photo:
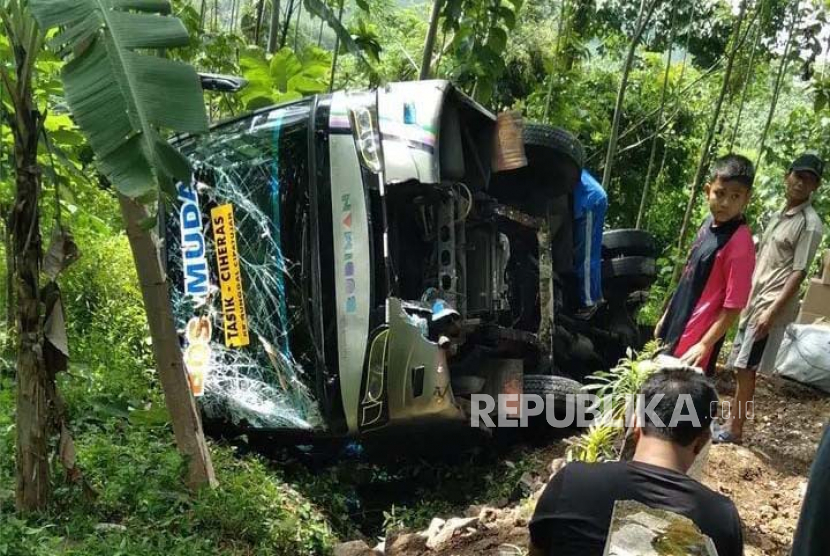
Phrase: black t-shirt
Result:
[574,512]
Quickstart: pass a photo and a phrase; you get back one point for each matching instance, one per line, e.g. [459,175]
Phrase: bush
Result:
[111,364]
[145,508]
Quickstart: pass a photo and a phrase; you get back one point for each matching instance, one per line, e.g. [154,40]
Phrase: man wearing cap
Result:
[784,256]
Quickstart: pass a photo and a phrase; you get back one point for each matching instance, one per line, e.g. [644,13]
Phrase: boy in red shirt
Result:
[717,278]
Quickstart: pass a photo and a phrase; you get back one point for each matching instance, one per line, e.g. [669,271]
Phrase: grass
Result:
[137,493]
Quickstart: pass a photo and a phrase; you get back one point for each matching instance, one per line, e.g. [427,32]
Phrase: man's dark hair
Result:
[674,385]
[734,167]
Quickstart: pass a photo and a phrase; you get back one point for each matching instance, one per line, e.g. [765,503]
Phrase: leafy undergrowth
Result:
[139,505]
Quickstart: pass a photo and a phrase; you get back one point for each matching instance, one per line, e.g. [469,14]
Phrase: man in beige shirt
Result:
[784,256]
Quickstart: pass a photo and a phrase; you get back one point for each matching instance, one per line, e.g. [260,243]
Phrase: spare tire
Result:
[628,273]
[562,389]
[549,137]
[544,385]
[617,243]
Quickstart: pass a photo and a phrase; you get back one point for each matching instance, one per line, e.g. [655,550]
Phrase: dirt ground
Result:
[766,478]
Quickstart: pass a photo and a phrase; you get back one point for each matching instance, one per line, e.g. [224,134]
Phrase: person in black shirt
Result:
[573,514]
[812,538]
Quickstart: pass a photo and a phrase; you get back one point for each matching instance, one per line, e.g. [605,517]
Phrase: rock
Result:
[474,510]
[405,543]
[434,526]
[556,465]
[110,528]
[486,515]
[447,532]
[380,548]
[353,548]
[510,550]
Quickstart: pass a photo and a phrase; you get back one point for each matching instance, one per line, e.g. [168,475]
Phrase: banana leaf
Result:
[121,95]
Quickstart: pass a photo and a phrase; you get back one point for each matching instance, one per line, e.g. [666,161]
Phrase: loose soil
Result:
[766,477]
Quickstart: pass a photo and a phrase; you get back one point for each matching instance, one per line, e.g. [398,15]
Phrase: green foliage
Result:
[118,95]
[616,390]
[284,76]
[480,31]
[597,444]
[617,386]
[147,510]
[112,367]
[320,9]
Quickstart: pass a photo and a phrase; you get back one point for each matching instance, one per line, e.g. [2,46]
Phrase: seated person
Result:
[812,538]
[573,514]
[590,205]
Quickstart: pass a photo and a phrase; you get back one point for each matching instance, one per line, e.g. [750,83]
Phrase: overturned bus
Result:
[351,263]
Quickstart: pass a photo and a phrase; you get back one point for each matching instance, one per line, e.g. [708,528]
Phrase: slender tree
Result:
[703,161]
[659,123]
[260,8]
[202,15]
[643,17]
[336,46]
[297,25]
[289,12]
[560,29]
[429,43]
[750,74]
[274,27]
[32,403]
[779,82]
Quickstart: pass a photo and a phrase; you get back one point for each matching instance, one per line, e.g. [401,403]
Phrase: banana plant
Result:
[119,95]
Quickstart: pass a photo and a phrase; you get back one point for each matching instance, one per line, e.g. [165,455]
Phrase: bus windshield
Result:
[262,350]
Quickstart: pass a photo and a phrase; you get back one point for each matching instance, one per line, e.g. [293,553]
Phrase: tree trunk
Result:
[260,8]
[287,23]
[202,14]
[187,426]
[33,487]
[297,26]
[659,123]
[563,6]
[215,15]
[32,419]
[703,162]
[646,9]
[429,43]
[336,47]
[779,81]
[747,81]
[274,28]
